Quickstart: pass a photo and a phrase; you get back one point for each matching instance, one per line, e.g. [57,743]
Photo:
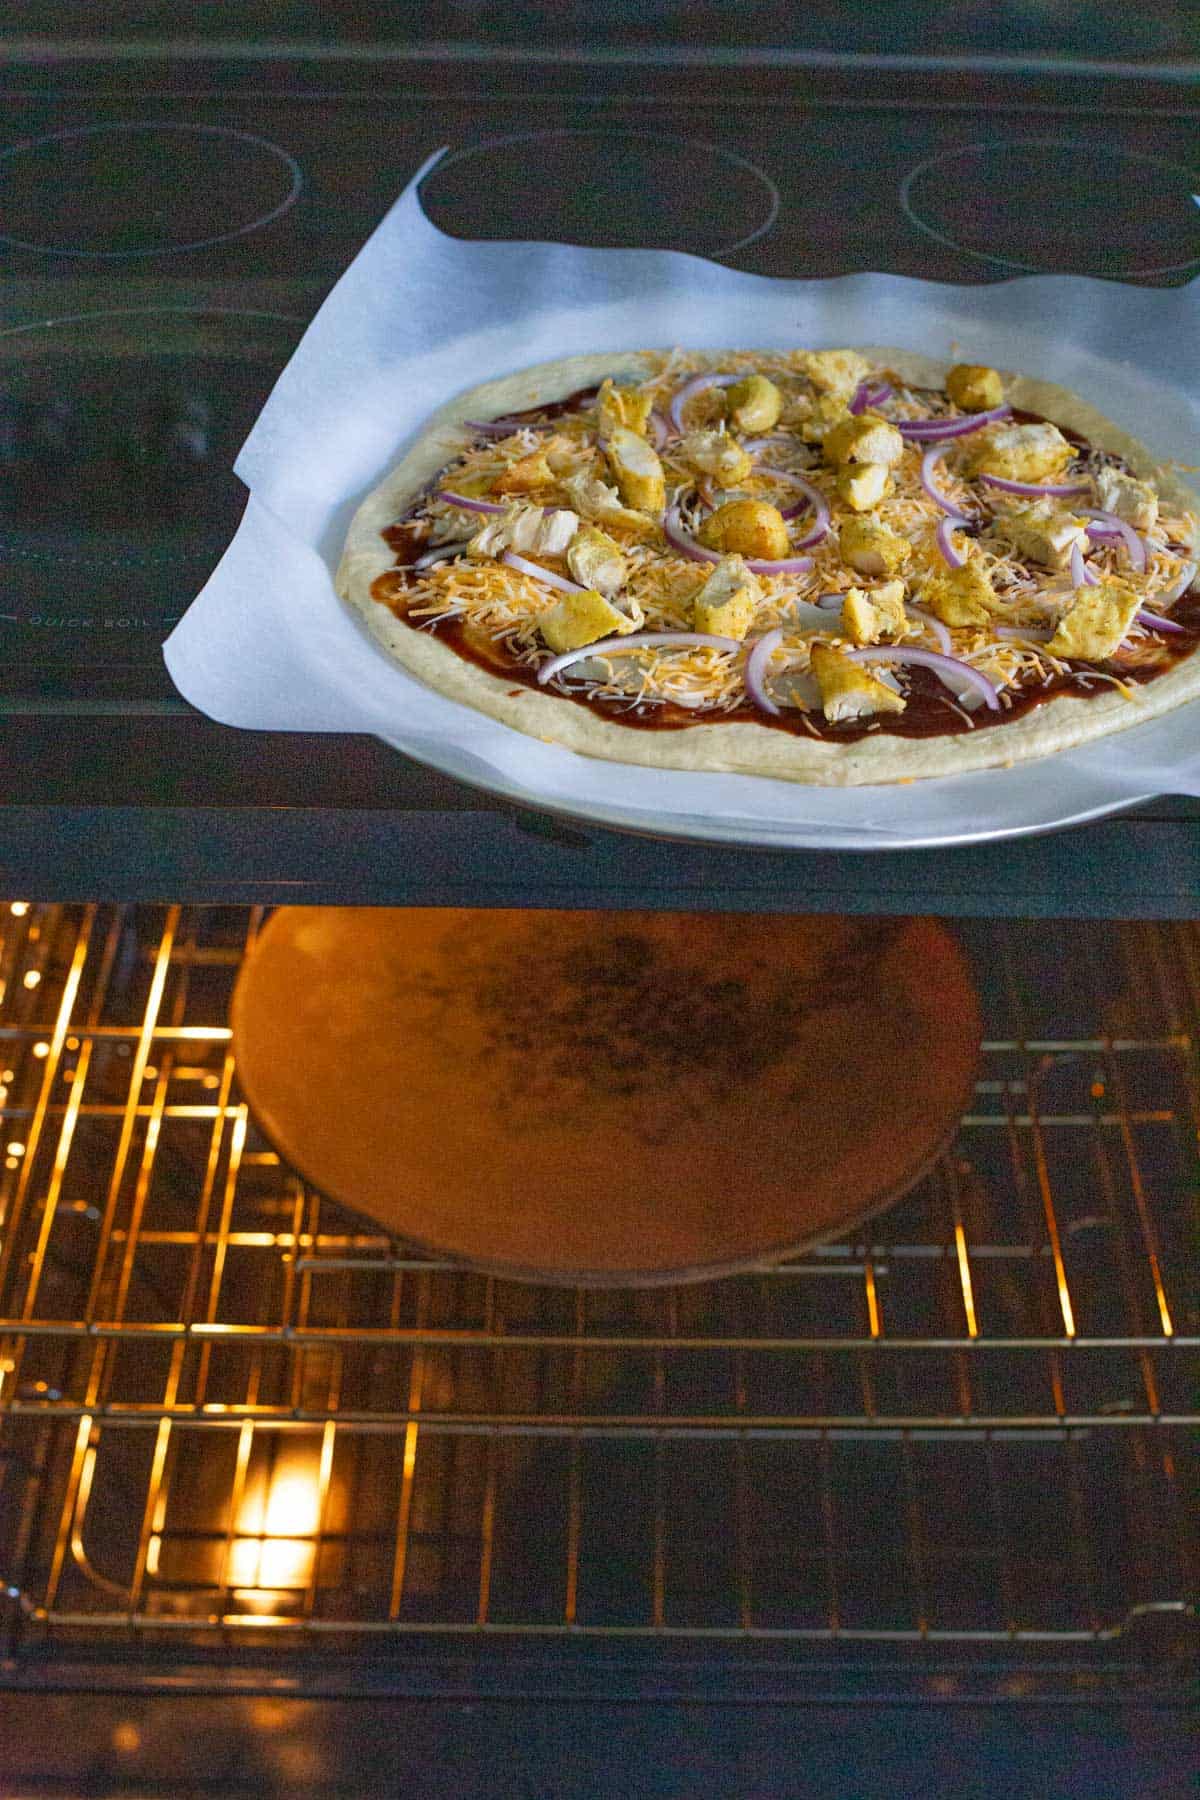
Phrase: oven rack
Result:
[235,1418]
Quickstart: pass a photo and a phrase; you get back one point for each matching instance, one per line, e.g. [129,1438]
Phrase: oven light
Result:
[19,908]
[285,1563]
[276,1545]
[32,977]
[270,1563]
[243,1562]
[293,1507]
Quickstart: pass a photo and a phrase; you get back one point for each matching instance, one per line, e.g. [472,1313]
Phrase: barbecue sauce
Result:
[929,712]
[408,538]
[555,409]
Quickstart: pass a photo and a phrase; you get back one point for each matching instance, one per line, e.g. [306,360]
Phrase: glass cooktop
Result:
[161,253]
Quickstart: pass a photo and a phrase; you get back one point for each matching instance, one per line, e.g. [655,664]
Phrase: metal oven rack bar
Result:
[420,839]
[237,1422]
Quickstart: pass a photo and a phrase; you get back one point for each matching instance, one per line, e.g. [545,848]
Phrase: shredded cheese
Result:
[506,604]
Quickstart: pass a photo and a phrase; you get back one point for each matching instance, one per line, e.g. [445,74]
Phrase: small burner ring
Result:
[614,188]
[1058,206]
[98,191]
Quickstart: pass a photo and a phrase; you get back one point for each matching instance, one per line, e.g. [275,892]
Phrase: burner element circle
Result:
[619,189]
[141,188]
[1058,206]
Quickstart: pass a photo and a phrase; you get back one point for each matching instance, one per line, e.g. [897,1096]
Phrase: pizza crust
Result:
[741,746]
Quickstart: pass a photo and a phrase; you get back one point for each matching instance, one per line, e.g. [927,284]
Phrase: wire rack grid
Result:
[233,1413]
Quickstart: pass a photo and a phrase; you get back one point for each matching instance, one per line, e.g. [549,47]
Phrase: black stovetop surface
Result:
[169,225]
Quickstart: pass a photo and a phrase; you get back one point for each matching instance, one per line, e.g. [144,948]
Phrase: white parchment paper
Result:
[419,316]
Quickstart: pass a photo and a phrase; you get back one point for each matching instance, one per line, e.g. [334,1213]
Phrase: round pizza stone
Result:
[606,1098]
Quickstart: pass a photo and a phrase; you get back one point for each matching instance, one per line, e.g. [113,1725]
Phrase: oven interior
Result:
[241,1430]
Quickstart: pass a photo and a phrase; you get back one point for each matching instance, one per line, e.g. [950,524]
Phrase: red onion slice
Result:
[868,395]
[1183,582]
[502,428]
[1154,623]
[756,668]
[1038,489]
[787,565]
[1036,634]
[937,429]
[635,640]
[507,423]
[1081,575]
[1107,528]
[755,446]
[687,546]
[949,668]
[657,430]
[949,549]
[935,494]
[939,631]
[466,504]
[813,497]
[698,384]
[547,575]
[442,554]
[679,539]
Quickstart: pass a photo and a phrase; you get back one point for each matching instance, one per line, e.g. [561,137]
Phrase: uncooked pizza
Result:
[833,566]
